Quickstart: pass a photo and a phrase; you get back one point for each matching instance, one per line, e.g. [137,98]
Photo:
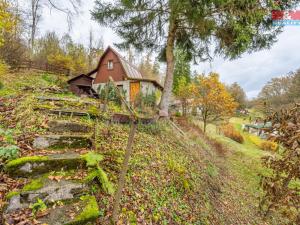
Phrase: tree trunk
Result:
[204,117]
[166,95]
[184,106]
[204,126]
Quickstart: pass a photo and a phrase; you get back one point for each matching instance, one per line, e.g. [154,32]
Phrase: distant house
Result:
[82,86]
[258,128]
[126,76]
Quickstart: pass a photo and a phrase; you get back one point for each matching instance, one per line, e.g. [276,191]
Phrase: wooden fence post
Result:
[123,173]
[121,182]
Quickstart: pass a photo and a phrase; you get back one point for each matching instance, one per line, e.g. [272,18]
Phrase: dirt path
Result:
[231,202]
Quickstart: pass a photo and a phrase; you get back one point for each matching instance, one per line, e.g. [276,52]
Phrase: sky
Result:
[251,71]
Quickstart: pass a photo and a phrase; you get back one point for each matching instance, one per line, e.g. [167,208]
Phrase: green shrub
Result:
[7,136]
[51,79]
[38,206]
[109,93]
[1,85]
[178,114]
[229,131]
[9,152]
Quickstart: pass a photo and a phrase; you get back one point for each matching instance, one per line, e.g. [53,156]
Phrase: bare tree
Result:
[95,49]
[70,9]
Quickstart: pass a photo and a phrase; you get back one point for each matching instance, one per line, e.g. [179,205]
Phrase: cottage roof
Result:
[79,76]
[131,72]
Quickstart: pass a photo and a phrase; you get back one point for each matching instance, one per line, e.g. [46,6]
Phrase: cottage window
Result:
[110,65]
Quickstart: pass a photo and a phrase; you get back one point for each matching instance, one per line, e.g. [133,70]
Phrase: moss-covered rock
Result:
[86,211]
[35,184]
[66,126]
[47,190]
[61,142]
[89,212]
[34,165]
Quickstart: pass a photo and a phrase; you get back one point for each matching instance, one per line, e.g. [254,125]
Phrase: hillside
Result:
[172,178]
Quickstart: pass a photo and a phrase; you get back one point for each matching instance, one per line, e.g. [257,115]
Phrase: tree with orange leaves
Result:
[211,98]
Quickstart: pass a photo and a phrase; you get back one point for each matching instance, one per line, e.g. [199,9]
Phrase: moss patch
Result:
[34,185]
[11,194]
[23,160]
[90,211]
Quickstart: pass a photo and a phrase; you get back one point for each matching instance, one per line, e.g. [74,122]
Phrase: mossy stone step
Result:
[81,211]
[61,126]
[47,190]
[34,165]
[60,142]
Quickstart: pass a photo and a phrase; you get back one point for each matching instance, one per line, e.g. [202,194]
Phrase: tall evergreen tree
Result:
[182,68]
[234,26]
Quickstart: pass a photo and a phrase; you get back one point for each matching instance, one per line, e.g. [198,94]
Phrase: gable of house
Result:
[126,76]
[104,72]
[113,64]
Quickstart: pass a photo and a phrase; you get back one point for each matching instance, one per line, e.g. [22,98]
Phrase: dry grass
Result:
[229,131]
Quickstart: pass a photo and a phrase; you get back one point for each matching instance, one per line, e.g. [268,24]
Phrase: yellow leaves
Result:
[63,60]
[211,95]
[3,68]
[7,21]
[184,89]
[60,60]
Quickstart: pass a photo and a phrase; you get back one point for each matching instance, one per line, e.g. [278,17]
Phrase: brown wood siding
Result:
[84,81]
[103,74]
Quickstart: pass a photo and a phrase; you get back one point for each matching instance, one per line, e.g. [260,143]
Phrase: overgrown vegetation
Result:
[8,148]
[229,131]
[96,172]
[280,193]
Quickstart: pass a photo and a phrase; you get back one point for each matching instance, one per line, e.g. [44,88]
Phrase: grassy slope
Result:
[168,182]
[164,184]
[244,165]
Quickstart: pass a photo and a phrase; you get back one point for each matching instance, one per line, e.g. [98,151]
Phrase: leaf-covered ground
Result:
[171,180]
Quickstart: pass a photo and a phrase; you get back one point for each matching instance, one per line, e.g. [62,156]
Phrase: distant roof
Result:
[79,76]
[131,71]
[260,125]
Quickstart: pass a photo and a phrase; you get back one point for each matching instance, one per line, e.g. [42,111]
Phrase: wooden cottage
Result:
[126,76]
[82,86]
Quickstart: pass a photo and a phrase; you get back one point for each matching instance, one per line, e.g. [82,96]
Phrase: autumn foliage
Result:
[6,20]
[212,98]
[281,189]
[229,131]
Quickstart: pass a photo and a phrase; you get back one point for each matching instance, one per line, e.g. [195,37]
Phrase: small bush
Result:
[9,152]
[269,146]
[178,114]
[1,85]
[51,79]
[229,131]
[3,67]
[255,140]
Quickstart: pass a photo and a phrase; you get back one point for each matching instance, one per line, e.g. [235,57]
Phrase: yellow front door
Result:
[134,90]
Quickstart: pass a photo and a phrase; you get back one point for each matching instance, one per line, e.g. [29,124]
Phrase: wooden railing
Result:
[44,66]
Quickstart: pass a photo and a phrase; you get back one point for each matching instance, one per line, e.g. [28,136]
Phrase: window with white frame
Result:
[110,65]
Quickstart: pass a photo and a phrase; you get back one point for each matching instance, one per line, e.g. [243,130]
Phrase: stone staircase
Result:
[55,176]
